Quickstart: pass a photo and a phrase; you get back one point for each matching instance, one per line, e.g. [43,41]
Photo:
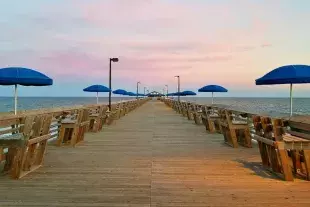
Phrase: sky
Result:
[225,42]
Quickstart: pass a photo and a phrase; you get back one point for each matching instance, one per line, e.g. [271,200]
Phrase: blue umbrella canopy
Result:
[23,76]
[97,89]
[212,89]
[188,93]
[130,94]
[179,94]
[120,92]
[288,74]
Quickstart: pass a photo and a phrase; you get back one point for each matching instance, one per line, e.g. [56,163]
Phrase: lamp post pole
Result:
[138,89]
[110,79]
[177,76]
[167,89]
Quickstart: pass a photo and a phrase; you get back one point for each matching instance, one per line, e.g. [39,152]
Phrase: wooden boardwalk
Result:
[152,157]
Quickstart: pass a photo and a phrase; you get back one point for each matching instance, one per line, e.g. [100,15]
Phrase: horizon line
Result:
[165,96]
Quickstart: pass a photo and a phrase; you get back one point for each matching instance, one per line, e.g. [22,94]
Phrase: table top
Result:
[300,118]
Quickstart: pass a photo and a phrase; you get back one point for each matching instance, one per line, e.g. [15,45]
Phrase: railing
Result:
[283,142]
[12,134]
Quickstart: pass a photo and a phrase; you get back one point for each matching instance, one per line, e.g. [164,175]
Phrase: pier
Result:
[153,156]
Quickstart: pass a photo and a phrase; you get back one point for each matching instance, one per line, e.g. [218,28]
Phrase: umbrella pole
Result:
[291,99]
[97,98]
[212,97]
[15,99]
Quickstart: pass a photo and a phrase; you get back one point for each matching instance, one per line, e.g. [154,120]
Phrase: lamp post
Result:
[110,80]
[138,89]
[177,76]
[167,89]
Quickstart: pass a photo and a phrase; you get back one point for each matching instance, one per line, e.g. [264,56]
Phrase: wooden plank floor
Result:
[152,157]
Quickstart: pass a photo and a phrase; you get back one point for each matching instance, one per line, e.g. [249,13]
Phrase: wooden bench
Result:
[97,118]
[168,102]
[128,107]
[174,106]
[210,119]
[284,146]
[185,109]
[123,109]
[113,114]
[177,106]
[9,126]
[118,111]
[191,110]
[234,128]
[73,128]
[298,130]
[197,111]
[26,150]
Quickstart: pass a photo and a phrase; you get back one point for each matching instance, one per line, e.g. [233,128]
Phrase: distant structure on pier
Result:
[155,94]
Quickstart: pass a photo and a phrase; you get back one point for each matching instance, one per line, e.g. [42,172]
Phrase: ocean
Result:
[26,103]
[254,105]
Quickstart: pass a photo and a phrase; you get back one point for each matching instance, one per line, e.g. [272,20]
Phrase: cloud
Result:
[183,59]
[266,45]
[155,40]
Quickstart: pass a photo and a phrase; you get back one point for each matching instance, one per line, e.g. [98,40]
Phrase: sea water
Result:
[254,105]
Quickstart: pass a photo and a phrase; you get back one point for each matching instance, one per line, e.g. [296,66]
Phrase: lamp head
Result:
[114,59]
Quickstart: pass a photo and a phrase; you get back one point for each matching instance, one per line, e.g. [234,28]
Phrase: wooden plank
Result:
[16,140]
[152,157]
[264,140]
[287,172]
[306,154]
[38,139]
[11,130]
[7,122]
[299,134]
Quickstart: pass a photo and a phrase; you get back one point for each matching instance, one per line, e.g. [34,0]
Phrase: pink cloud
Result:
[204,42]
[266,45]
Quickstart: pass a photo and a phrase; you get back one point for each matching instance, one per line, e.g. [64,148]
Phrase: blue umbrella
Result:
[288,74]
[188,93]
[179,94]
[22,76]
[97,89]
[120,92]
[212,89]
[130,94]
